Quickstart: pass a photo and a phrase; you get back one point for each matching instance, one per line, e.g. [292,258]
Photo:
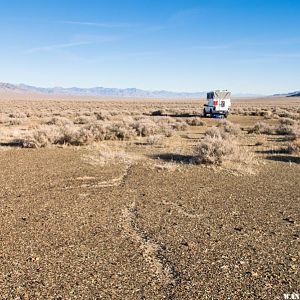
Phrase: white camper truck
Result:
[218,103]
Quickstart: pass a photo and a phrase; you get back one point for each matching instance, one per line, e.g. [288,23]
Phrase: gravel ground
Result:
[71,230]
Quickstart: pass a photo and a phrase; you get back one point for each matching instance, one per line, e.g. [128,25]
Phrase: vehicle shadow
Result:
[15,144]
[183,115]
[173,157]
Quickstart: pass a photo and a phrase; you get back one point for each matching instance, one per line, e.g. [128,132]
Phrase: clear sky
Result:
[250,46]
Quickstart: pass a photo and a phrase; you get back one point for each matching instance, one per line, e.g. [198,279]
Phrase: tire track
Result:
[181,210]
[114,182]
[152,250]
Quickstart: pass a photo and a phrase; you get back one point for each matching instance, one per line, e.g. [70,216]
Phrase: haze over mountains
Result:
[103,92]
[97,91]
[115,92]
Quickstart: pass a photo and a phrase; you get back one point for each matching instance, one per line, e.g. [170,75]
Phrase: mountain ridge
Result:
[292,94]
[98,91]
[106,92]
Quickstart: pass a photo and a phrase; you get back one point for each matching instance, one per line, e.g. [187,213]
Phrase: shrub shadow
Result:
[284,158]
[173,157]
[274,151]
[278,138]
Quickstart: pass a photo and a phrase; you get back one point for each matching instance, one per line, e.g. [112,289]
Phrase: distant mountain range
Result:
[293,94]
[104,92]
[97,91]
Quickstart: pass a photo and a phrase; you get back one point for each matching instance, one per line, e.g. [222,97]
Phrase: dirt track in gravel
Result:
[133,230]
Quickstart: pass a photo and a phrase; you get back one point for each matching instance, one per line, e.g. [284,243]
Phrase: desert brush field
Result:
[146,199]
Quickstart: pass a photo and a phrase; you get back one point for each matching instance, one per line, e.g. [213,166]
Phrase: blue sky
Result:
[250,46]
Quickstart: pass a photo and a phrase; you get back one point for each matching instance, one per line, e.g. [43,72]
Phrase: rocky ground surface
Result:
[147,228]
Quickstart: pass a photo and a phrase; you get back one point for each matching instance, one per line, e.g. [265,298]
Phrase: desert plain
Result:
[146,199]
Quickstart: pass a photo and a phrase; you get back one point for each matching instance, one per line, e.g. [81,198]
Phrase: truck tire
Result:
[226,114]
[204,113]
[211,113]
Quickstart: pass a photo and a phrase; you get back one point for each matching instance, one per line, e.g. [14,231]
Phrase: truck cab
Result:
[218,103]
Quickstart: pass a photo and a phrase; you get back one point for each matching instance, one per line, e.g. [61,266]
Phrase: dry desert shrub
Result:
[237,111]
[228,127]
[262,128]
[224,130]
[283,129]
[179,125]
[45,136]
[15,121]
[267,114]
[31,139]
[295,134]
[19,115]
[213,150]
[287,121]
[28,114]
[85,113]
[293,147]
[82,120]
[71,136]
[167,131]
[97,131]
[86,135]
[4,119]
[119,131]
[145,127]
[215,132]
[287,126]
[59,121]
[286,113]
[154,140]
[103,115]
[195,122]
[219,146]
